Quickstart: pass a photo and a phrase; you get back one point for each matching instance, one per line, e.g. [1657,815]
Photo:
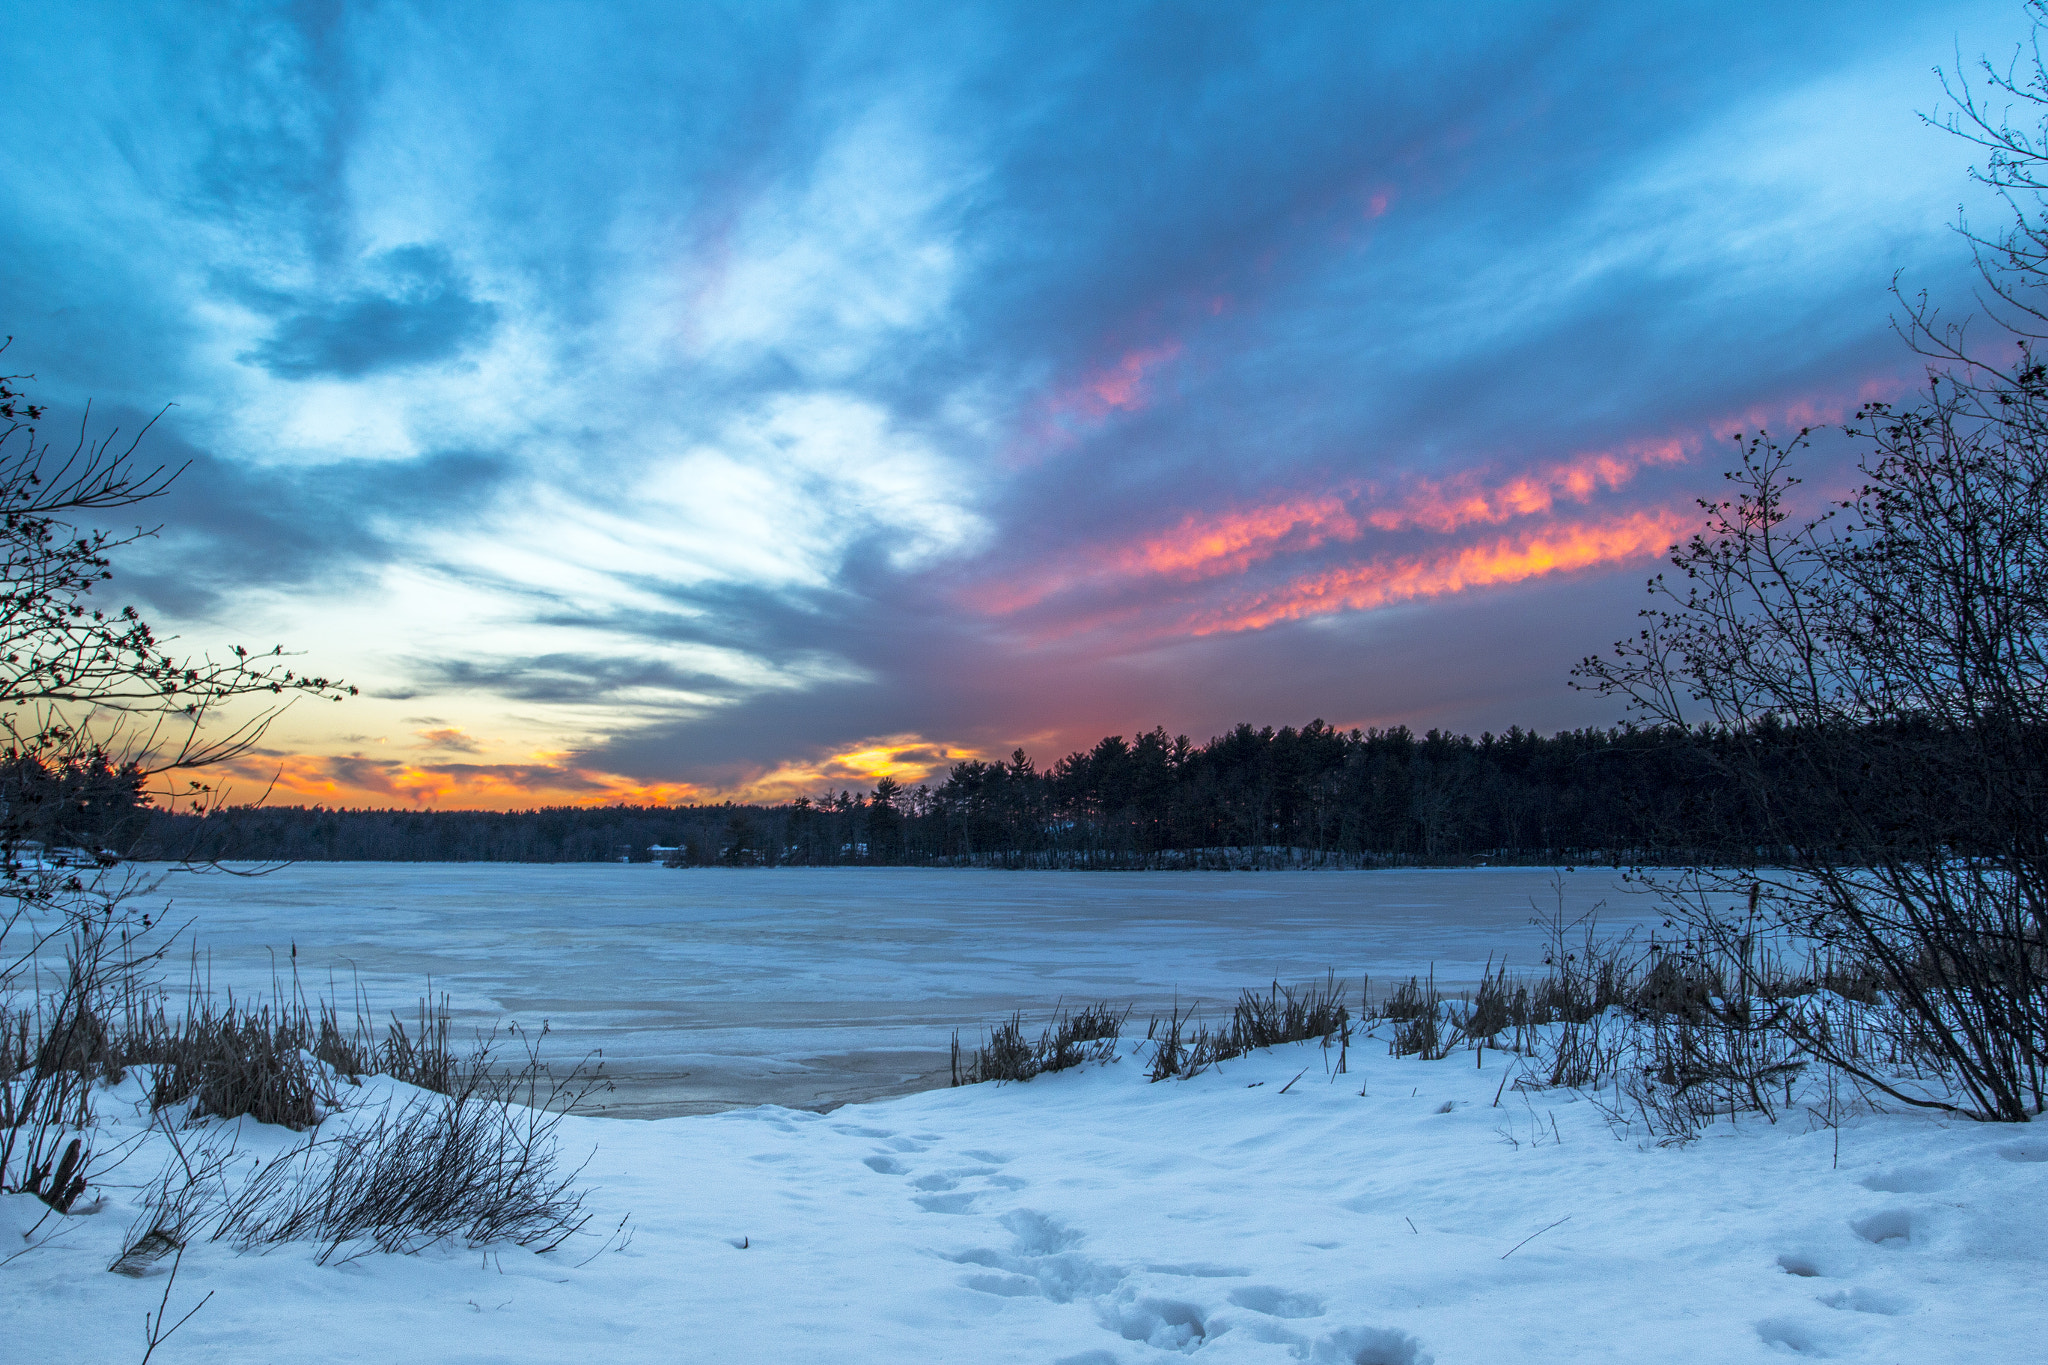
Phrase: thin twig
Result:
[1532,1237]
[153,1323]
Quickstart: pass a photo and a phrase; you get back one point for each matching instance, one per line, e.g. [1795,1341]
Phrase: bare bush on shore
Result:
[479,1165]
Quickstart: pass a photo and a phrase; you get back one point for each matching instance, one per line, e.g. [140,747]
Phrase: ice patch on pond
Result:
[711,988]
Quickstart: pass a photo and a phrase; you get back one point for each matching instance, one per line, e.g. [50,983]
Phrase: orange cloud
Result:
[1056,420]
[1465,500]
[1200,548]
[1212,545]
[909,759]
[1119,387]
[1361,587]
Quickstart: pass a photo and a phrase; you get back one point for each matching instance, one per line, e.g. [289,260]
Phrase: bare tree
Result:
[94,708]
[1876,677]
[1875,680]
[81,679]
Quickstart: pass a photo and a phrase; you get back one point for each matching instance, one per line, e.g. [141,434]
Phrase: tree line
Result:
[1316,796]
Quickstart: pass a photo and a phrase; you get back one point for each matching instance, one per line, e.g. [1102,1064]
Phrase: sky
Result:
[679,402]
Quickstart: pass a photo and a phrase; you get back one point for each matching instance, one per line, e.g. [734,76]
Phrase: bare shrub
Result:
[58,1042]
[1287,1015]
[1496,1005]
[1586,973]
[1183,1046]
[1873,682]
[478,1166]
[426,1059]
[1697,1028]
[1073,1037]
[236,1060]
[1421,1026]
[1577,1059]
[92,710]
[1406,1003]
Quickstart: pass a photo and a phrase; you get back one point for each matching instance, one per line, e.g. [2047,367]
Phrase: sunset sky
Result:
[666,402]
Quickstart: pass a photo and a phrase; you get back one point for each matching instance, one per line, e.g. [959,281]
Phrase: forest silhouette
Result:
[1254,797]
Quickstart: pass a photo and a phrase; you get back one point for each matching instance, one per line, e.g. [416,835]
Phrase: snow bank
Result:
[1090,1217]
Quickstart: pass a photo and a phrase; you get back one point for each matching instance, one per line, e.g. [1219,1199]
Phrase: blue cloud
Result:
[423,314]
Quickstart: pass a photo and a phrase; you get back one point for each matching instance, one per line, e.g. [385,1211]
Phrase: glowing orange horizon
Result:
[352,781]
[907,759]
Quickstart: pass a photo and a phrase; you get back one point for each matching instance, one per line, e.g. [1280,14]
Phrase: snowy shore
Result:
[1090,1217]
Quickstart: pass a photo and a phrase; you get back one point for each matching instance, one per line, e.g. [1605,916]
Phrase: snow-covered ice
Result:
[808,987]
[1090,1217]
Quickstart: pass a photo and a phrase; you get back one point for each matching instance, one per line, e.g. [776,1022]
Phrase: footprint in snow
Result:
[1167,1324]
[1906,1180]
[961,1202]
[1370,1346]
[1790,1334]
[885,1165]
[1892,1227]
[1040,1262]
[1277,1303]
[1795,1263]
[1043,1261]
[1201,1270]
[1867,1301]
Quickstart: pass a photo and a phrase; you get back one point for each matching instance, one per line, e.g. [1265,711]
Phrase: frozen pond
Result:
[813,987]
